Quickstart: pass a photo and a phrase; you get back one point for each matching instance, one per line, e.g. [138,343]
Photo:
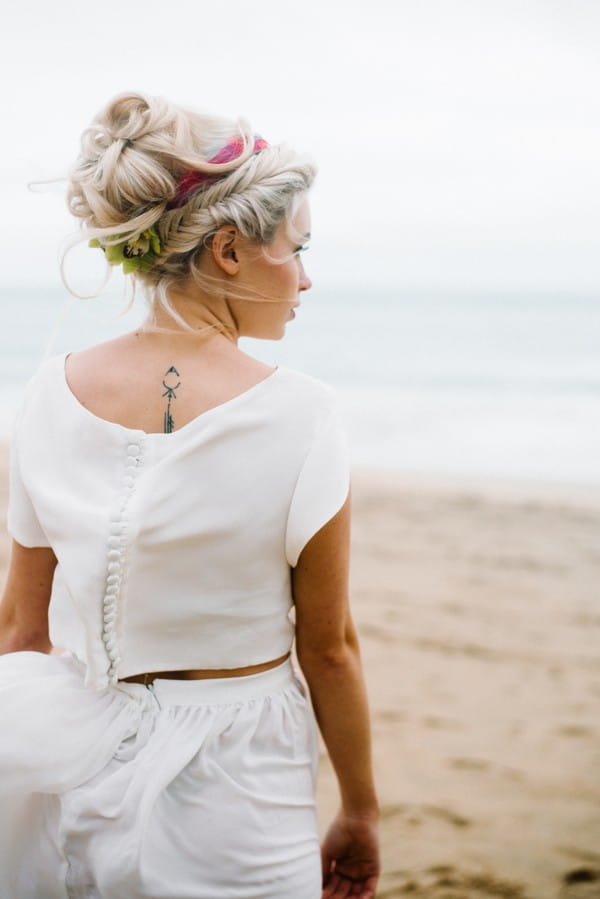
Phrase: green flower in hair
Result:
[134,255]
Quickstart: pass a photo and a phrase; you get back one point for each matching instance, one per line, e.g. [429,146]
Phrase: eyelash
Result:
[302,249]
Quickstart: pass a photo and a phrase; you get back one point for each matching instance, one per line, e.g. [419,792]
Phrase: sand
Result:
[479,611]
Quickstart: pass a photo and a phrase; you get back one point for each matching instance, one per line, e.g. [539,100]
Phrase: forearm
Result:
[12,640]
[18,634]
[24,605]
[339,699]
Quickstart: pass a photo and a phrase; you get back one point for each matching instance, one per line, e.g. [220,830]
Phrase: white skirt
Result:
[180,790]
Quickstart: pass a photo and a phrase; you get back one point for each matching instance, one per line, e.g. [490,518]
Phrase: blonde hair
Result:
[125,181]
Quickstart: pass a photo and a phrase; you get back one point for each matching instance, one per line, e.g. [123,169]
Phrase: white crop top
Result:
[174,550]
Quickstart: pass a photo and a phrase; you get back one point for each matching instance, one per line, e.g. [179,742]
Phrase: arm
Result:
[328,654]
[24,606]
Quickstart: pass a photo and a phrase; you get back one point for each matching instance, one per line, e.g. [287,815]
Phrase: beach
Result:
[479,611]
[450,301]
[478,606]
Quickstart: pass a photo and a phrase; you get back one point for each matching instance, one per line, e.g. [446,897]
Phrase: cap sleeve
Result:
[322,486]
[21,519]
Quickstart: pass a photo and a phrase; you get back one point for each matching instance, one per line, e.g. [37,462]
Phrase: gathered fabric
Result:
[185,788]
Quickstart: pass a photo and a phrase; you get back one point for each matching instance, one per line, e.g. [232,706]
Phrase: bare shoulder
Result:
[91,357]
[101,368]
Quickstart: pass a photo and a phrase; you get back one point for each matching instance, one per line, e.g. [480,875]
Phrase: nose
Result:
[305,283]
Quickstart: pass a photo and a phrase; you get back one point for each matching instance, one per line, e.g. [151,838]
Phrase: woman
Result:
[177,497]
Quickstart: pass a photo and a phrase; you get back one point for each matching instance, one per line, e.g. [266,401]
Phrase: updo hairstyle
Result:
[125,181]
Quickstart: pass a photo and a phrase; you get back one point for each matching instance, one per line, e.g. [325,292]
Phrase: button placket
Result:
[115,560]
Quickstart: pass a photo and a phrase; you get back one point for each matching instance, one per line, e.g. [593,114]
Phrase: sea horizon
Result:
[464,384]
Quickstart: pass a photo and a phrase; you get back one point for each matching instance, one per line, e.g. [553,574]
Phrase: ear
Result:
[224,247]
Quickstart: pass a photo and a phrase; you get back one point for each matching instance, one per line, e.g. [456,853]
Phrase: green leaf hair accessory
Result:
[134,255]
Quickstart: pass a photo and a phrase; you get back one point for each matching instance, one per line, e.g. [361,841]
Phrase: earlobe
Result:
[224,249]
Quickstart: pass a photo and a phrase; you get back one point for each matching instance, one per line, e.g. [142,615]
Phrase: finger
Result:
[344,889]
[329,885]
[368,891]
[338,887]
[325,867]
[357,888]
[372,882]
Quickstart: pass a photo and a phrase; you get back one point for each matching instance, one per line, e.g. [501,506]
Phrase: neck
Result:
[204,314]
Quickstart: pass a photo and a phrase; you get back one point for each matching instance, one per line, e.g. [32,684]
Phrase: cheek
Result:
[293,273]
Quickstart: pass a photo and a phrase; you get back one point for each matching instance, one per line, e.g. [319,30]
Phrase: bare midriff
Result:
[205,673]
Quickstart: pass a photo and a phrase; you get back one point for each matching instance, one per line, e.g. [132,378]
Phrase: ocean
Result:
[474,385]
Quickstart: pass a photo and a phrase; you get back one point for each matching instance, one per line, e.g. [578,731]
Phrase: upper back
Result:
[182,542]
[159,382]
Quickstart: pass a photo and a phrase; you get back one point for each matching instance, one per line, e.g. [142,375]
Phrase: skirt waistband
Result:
[217,690]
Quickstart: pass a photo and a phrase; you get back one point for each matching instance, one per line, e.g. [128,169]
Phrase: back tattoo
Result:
[171,383]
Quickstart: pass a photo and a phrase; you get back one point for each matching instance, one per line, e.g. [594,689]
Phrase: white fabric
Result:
[174,550]
[189,790]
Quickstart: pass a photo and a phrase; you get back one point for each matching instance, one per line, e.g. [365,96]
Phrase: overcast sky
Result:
[458,141]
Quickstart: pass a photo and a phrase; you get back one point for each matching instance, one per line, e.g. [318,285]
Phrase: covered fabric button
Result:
[112,579]
[114,541]
[111,590]
[133,449]
[114,554]
[129,480]
[113,566]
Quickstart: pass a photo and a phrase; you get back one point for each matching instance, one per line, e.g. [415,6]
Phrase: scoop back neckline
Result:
[254,388]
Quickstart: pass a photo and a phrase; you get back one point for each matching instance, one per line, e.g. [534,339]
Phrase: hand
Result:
[350,857]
